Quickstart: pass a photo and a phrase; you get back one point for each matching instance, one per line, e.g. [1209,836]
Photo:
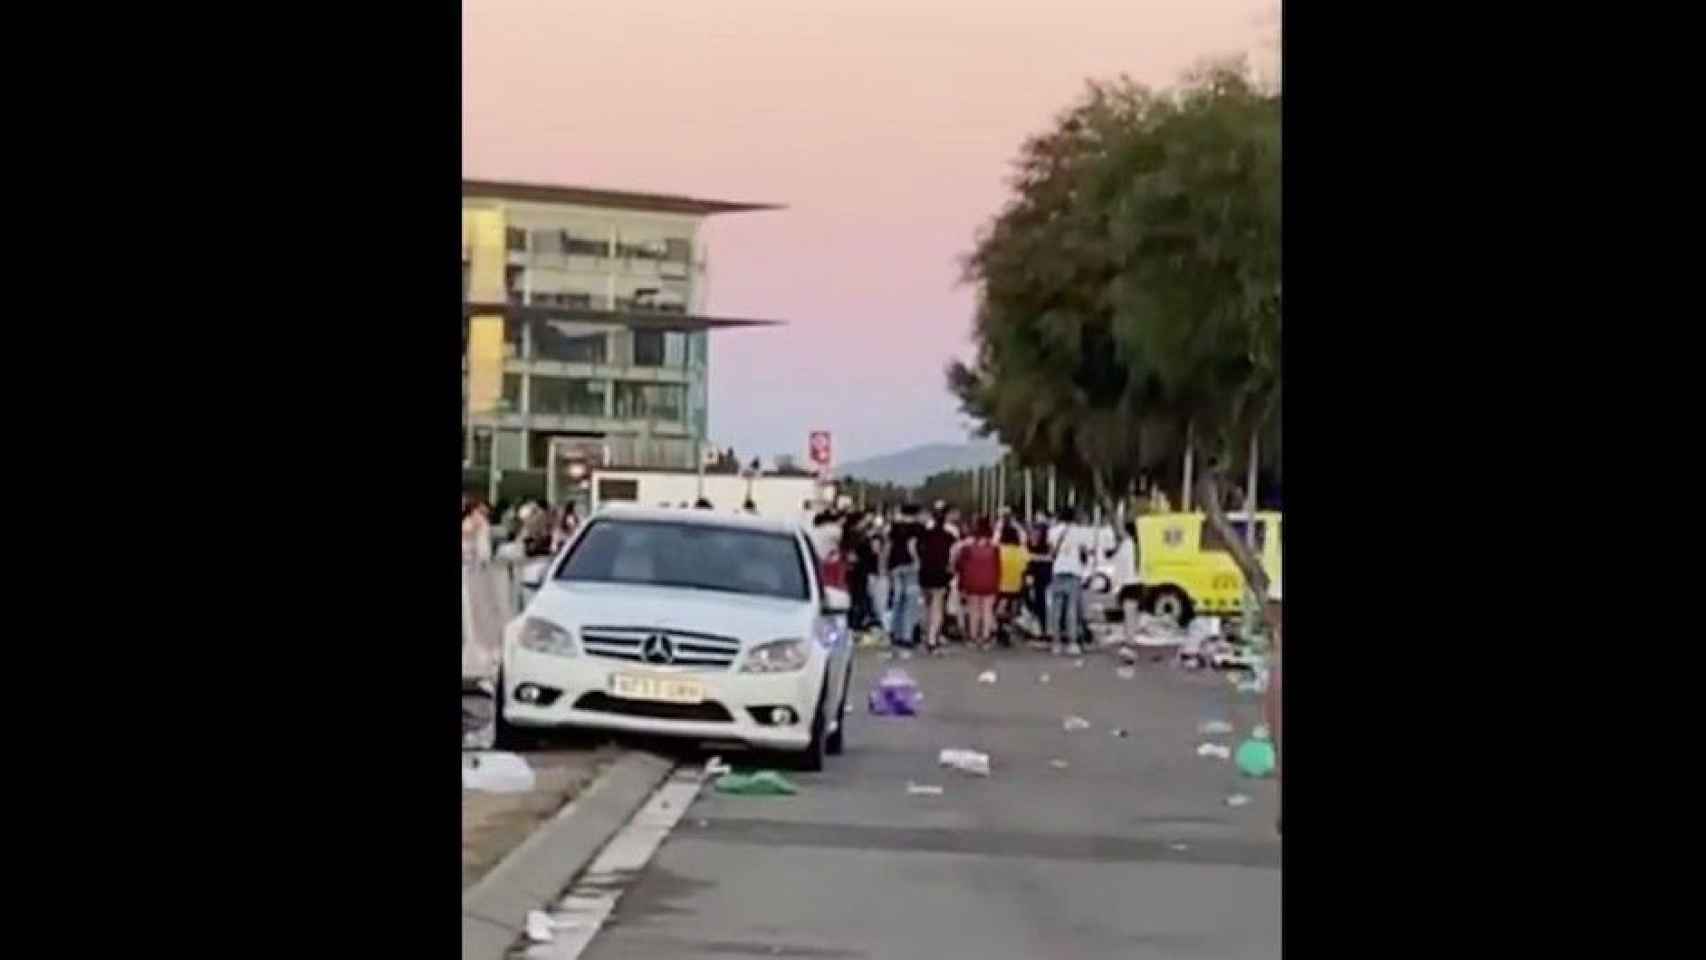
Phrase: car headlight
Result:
[777,656]
[543,636]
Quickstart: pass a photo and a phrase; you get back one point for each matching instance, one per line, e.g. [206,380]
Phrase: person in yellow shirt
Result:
[1014,558]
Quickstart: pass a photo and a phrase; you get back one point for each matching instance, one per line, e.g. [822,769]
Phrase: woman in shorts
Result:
[978,565]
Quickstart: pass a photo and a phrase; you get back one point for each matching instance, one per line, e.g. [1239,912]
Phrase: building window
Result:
[583,247]
[515,238]
[652,401]
[513,283]
[648,348]
[512,392]
[483,449]
[512,338]
[582,301]
[568,397]
[677,250]
[618,491]
[569,342]
[642,249]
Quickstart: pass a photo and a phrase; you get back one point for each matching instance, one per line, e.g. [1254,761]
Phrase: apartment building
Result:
[584,332]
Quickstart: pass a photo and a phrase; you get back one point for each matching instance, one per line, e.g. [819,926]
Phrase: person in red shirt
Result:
[979,568]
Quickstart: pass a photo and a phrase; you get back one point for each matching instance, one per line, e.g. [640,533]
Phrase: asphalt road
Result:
[1129,851]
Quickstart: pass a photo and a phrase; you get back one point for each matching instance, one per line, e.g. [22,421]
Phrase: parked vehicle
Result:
[685,623]
[1185,568]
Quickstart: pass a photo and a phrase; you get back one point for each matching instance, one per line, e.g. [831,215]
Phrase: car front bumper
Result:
[586,699]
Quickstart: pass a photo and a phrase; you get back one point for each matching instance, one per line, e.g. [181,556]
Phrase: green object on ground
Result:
[1255,758]
[764,783]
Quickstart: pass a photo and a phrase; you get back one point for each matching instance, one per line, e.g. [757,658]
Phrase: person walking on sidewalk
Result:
[978,565]
[1074,548]
[903,575]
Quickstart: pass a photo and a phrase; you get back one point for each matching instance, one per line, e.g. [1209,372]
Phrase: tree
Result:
[1129,294]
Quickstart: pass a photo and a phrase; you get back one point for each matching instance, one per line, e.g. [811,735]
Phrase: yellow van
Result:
[1186,570]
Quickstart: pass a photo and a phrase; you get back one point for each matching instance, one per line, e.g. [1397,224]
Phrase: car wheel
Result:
[811,760]
[1171,603]
[836,742]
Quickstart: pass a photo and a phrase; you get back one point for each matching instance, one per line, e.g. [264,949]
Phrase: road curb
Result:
[530,877]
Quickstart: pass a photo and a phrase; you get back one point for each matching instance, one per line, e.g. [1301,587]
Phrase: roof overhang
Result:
[611,199]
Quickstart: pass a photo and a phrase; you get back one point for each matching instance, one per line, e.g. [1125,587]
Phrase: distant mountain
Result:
[910,467]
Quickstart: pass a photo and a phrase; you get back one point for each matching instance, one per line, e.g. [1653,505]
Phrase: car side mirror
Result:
[836,601]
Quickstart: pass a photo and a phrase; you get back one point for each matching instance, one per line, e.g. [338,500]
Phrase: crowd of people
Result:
[981,581]
[529,528]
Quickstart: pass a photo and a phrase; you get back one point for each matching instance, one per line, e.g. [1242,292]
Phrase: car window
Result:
[697,556]
[1211,540]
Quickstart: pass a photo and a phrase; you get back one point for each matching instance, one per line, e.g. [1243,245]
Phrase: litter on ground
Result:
[496,772]
[764,783]
[1119,732]
[896,695]
[715,767]
[1214,728]
[922,790]
[1219,751]
[1125,673]
[965,761]
[1255,758]
[1237,800]
[1075,723]
[1058,764]
[1043,678]
[987,676]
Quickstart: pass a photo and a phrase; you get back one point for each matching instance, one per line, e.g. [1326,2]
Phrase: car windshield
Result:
[693,555]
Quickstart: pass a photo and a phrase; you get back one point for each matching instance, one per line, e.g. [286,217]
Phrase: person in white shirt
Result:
[1127,591]
[1073,546]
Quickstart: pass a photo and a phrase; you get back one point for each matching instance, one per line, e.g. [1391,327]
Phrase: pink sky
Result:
[885,126]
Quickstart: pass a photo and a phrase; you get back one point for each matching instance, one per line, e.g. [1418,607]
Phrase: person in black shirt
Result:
[861,558]
[903,575]
[935,573]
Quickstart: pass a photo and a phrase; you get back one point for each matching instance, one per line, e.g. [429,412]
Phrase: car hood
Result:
[751,619]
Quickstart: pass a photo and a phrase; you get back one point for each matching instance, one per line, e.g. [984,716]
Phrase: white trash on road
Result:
[1075,723]
[539,927]
[1214,728]
[922,790]
[495,772]
[1219,751]
[987,676]
[965,761]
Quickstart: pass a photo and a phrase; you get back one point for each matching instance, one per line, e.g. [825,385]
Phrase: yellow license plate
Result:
[665,689]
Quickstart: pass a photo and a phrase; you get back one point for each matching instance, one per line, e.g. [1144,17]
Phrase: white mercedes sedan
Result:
[685,623]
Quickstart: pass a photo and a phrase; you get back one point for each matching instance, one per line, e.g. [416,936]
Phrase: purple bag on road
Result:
[896,695]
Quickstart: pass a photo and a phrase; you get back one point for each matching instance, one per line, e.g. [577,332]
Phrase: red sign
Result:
[820,449]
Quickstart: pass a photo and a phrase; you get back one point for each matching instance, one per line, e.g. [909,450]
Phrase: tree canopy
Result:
[1129,292]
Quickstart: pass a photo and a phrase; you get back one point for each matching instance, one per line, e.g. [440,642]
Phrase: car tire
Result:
[1173,603]
[811,759]
[836,742]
